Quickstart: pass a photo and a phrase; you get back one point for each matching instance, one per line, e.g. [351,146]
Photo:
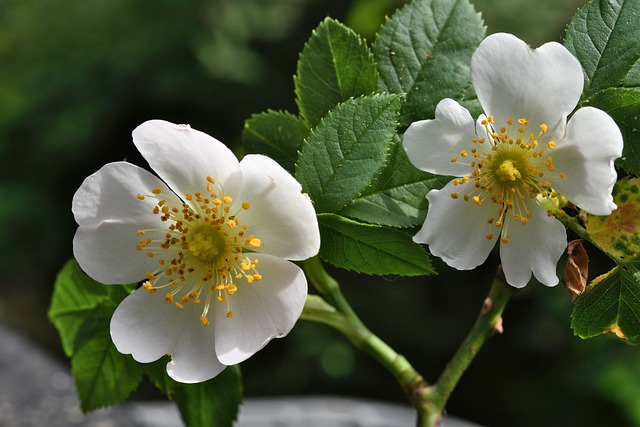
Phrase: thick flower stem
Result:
[488,322]
[338,313]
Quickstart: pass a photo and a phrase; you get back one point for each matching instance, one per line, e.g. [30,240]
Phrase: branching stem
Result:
[429,400]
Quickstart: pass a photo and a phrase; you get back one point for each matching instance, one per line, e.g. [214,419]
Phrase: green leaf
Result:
[371,249]
[334,65]
[81,309]
[611,304]
[211,403]
[618,234]
[623,105]
[75,296]
[424,50]
[396,197]
[103,376]
[347,150]
[276,134]
[605,36]
[157,373]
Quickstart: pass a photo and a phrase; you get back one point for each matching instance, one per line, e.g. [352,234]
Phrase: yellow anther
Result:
[466,197]
[454,195]
[227,199]
[231,223]
[140,196]
[141,232]
[189,196]
[505,240]
[551,145]
[523,121]
[563,175]
[168,298]
[477,200]
[180,306]
[464,153]
[204,321]
[524,220]
[230,314]
[454,159]
[257,277]
[490,119]
[543,128]
[509,121]
[149,287]
[246,205]
[255,242]
[220,298]
[489,236]
[156,191]
[209,179]
[150,254]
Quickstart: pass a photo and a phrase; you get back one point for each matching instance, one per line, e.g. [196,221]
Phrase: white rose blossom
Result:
[522,151]
[212,242]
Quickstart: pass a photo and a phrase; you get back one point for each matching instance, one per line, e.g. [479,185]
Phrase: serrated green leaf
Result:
[630,160]
[605,36]
[371,249]
[396,197]
[75,296]
[424,50]
[623,105]
[157,373]
[347,150]
[103,376]
[632,79]
[276,134]
[611,305]
[211,403]
[335,65]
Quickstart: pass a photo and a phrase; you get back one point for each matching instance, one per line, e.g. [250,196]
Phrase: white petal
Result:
[586,154]
[431,144]
[456,230]
[262,310]
[109,214]
[511,81]
[183,157]
[280,215]
[146,327]
[533,247]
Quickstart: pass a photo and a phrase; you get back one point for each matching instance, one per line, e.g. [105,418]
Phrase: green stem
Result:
[429,401]
[339,314]
[488,322]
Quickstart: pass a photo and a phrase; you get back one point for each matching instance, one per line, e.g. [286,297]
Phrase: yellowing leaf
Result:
[618,233]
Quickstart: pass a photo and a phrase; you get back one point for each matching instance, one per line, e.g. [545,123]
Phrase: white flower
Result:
[210,241]
[521,151]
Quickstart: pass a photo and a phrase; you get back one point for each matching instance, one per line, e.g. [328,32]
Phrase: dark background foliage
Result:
[77,77]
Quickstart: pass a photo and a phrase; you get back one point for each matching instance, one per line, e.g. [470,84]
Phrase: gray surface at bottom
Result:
[36,390]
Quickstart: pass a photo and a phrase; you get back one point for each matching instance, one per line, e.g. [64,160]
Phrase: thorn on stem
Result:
[497,327]
[487,305]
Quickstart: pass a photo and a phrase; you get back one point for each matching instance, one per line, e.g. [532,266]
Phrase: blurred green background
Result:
[77,77]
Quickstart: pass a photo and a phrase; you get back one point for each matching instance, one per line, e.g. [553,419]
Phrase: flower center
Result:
[510,168]
[202,252]
[507,171]
[205,243]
